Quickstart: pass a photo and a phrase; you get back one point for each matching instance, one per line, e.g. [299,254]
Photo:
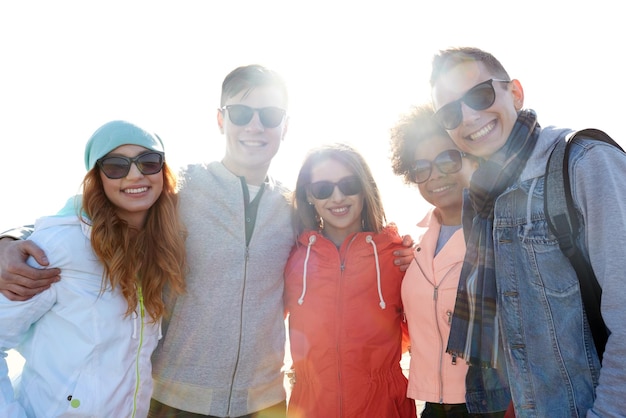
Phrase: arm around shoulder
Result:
[19,281]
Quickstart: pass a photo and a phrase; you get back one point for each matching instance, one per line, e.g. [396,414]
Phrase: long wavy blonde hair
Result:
[152,258]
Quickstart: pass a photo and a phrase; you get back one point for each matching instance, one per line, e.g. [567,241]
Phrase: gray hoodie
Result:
[224,344]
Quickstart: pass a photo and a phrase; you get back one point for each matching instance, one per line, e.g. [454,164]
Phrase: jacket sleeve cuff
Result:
[22,232]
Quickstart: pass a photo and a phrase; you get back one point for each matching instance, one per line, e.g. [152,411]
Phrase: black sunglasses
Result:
[241,115]
[349,186]
[479,97]
[117,167]
[448,162]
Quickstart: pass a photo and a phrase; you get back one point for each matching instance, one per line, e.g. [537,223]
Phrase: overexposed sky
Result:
[352,67]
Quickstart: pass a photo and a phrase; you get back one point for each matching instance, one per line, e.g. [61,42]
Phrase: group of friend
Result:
[163,295]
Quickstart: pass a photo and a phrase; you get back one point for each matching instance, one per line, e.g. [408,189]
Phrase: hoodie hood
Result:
[57,220]
[536,164]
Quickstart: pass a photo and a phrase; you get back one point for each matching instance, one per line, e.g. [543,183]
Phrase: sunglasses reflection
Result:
[241,115]
[117,167]
[349,186]
[480,97]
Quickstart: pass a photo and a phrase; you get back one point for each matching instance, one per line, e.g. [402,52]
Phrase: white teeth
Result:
[253,143]
[135,191]
[482,132]
[339,210]
[440,189]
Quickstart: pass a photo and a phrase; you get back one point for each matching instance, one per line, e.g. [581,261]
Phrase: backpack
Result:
[564,224]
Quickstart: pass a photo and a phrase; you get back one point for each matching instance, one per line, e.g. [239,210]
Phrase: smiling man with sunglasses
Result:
[518,303]
[480,97]
[224,349]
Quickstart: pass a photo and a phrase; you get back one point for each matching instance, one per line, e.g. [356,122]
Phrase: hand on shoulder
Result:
[19,281]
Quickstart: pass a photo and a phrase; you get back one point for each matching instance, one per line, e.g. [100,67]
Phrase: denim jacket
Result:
[487,390]
[553,366]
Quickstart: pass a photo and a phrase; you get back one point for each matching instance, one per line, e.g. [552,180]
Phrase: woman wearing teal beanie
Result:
[88,339]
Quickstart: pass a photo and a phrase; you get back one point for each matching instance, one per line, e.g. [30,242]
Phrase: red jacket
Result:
[345,327]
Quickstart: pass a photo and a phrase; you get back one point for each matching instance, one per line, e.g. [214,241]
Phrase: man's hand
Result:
[19,281]
[405,255]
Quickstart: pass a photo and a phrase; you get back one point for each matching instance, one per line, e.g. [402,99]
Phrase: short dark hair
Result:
[248,78]
[448,58]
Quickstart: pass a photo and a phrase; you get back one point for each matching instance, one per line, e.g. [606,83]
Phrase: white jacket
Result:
[83,357]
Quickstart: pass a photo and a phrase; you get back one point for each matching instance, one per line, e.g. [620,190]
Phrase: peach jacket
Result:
[428,295]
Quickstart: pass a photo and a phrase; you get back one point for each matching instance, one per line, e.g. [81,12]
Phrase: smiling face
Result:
[134,194]
[341,213]
[250,148]
[481,132]
[444,191]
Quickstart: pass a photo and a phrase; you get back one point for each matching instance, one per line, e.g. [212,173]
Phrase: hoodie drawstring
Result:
[382,303]
[312,240]
[370,241]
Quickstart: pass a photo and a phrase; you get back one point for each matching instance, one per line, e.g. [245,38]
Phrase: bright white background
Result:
[352,67]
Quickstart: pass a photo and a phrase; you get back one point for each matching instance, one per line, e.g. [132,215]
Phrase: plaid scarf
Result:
[474,333]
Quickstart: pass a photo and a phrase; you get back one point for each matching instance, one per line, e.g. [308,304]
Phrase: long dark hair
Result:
[306,217]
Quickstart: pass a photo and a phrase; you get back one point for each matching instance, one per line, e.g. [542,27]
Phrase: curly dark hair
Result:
[415,126]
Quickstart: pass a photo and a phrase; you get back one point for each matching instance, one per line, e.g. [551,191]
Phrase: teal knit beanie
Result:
[114,134]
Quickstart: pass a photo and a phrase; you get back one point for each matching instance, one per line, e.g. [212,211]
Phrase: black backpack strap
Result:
[563,222]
